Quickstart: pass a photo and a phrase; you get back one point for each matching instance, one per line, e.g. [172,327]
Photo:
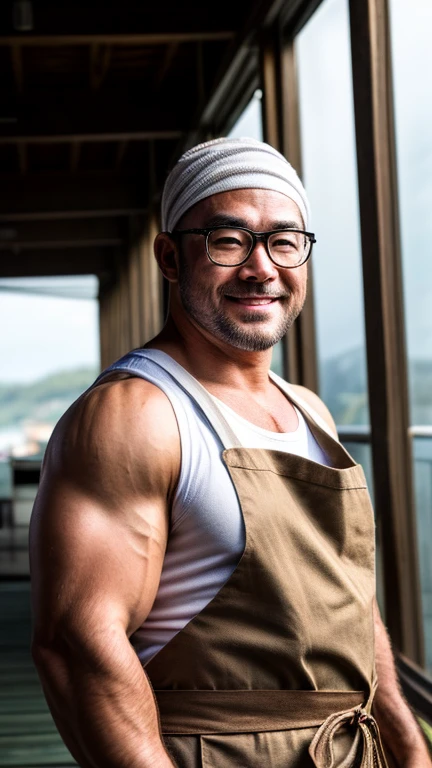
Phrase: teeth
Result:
[250,300]
[256,301]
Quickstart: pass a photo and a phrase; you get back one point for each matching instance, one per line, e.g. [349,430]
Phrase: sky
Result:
[42,334]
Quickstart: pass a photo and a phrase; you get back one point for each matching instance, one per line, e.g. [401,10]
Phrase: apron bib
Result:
[277,671]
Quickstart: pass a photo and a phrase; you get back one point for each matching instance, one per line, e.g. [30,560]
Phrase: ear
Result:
[167,256]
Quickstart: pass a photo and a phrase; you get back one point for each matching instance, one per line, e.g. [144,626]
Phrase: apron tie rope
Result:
[321,748]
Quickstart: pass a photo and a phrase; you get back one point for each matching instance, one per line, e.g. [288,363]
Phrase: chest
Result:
[274,412]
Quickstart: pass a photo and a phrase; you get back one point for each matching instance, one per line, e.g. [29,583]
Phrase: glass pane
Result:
[50,354]
[412,63]
[423,486]
[250,121]
[330,177]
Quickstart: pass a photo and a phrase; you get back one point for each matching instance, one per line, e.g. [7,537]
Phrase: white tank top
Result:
[207,536]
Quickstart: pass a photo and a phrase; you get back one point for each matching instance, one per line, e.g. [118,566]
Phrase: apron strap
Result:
[199,712]
[321,747]
[249,711]
[298,400]
[133,362]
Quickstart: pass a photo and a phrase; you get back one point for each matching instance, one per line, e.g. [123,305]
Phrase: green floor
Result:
[28,736]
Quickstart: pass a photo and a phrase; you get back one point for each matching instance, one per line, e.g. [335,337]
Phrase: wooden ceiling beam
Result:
[75,151]
[22,157]
[120,153]
[129,22]
[170,53]
[31,233]
[100,58]
[64,196]
[17,66]
[133,39]
[84,261]
[37,245]
[118,114]
[67,138]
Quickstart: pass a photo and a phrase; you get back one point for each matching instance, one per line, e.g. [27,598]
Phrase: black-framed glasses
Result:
[232,246]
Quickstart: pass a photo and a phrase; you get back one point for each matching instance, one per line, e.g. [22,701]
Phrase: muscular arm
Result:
[98,538]
[401,735]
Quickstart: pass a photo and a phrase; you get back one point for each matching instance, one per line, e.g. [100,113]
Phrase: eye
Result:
[227,239]
[219,241]
[286,241]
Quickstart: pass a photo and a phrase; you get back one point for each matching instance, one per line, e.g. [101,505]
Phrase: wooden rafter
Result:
[107,115]
[64,196]
[163,38]
[35,234]
[82,261]
[17,66]
[120,153]
[75,151]
[22,157]
[169,56]
[100,58]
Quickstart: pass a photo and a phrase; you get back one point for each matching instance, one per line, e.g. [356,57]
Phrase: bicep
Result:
[100,523]
[88,561]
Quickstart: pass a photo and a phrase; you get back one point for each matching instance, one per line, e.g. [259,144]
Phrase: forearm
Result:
[102,703]
[399,730]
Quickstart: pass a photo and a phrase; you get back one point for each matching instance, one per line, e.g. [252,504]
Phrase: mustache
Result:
[257,291]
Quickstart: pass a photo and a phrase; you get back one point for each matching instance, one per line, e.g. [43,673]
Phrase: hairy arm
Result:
[400,732]
[97,542]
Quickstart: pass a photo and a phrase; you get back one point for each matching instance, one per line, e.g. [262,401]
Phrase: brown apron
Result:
[277,671]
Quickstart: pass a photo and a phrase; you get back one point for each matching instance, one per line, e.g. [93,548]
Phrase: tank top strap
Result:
[298,400]
[133,362]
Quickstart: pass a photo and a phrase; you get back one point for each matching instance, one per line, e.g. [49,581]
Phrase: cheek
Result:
[296,280]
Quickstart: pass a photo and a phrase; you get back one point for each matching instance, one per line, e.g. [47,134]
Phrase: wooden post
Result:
[281,130]
[384,317]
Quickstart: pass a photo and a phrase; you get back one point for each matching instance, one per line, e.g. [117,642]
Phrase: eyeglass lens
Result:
[231,246]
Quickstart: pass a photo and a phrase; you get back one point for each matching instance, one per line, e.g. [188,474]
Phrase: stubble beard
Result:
[196,303]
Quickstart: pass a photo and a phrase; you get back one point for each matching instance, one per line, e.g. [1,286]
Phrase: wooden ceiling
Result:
[96,101]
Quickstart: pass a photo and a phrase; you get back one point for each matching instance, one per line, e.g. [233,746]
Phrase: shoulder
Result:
[317,404]
[120,435]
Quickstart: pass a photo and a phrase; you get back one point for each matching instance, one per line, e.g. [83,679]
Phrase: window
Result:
[250,121]
[329,174]
[412,63]
[50,355]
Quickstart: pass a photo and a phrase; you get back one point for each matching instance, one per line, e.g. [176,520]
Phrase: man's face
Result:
[249,307]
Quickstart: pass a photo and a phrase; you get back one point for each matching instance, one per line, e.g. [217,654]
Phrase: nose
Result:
[259,267]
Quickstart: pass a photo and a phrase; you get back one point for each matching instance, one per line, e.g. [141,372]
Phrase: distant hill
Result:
[343,387]
[45,399]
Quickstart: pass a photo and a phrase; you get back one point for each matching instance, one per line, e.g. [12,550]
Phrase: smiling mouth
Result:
[252,301]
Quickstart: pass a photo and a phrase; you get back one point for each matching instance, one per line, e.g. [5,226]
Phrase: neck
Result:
[214,363]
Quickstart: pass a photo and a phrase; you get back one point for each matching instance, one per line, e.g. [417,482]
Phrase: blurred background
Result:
[97,101]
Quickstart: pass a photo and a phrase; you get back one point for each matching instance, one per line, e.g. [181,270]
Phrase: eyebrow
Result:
[225,220]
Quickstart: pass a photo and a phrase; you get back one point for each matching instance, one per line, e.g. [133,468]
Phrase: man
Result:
[197,518]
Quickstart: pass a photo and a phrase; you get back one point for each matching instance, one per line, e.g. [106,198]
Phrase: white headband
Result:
[224,164]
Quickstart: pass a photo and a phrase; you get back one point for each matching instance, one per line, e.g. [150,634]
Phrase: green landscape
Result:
[343,388]
[44,400]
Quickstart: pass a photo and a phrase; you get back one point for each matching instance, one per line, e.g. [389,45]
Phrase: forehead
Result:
[259,209]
